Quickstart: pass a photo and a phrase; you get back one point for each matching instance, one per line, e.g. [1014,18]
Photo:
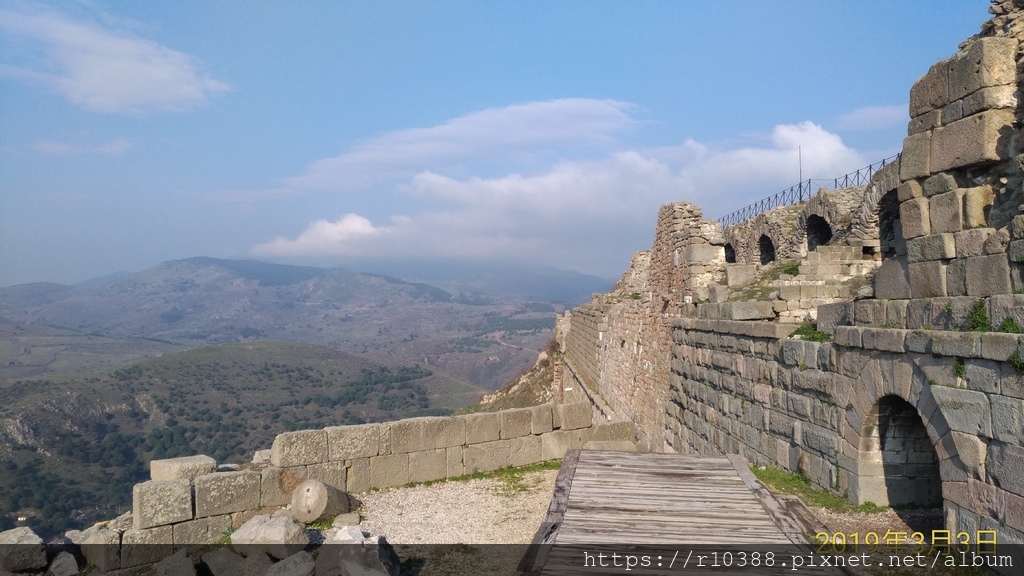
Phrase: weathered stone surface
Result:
[298,564]
[931,91]
[358,480]
[991,98]
[330,473]
[924,123]
[428,465]
[415,434]
[346,442]
[892,281]
[64,564]
[101,547]
[977,204]
[739,275]
[946,212]
[938,184]
[748,310]
[516,422]
[909,190]
[314,501]
[455,466]
[956,277]
[927,279]
[1008,419]
[177,564]
[556,444]
[207,530]
[836,314]
[965,411]
[482,427]
[159,502]
[914,217]
[1004,463]
[541,422]
[278,536]
[985,62]
[916,159]
[277,484]
[299,448]
[977,139]
[186,467]
[958,344]
[390,470]
[971,242]
[221,561]
[352,553]
[227,492]
[140,547]
[525,450]
[488,456]
[1016,251]
[934,247]
[999,346]
[21,550]
[988,275]
[576,415]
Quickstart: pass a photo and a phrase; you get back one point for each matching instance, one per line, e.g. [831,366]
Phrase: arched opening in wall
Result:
[730,254]
[898,465]
[767,248]
[890,232]
[819,233]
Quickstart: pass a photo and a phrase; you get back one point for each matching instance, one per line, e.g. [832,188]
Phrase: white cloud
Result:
[589,215]
[112,148]
[105,70]
[873,118]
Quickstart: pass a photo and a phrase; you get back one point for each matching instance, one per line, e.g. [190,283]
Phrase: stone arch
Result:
[730,254]
[890,230]
[819,232]
[766,248]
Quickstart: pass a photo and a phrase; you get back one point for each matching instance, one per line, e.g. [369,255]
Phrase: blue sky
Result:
[550,132]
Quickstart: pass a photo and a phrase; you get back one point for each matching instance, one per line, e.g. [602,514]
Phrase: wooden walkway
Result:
[608,499]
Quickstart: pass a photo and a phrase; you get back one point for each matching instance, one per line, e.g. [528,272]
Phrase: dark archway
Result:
[730,254]
[767,248]
[890,231]
[819,233]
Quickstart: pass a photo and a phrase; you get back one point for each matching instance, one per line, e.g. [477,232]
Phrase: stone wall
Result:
[189,501]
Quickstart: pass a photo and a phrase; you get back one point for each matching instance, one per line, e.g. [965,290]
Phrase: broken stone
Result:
[278,536]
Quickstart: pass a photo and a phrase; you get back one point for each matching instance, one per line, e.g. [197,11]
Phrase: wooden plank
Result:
[536,553]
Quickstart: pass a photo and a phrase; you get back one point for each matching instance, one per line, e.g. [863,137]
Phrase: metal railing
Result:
[803,191]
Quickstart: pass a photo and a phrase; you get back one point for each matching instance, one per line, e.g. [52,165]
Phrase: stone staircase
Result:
[826,275]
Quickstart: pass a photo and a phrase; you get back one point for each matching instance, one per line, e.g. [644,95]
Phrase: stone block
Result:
[541,422]
[278,536]
[749,310]
[454,462]
[914,218]
[988,275]
[927,279]
[277,484]
[946,212]
[916,159]
[981,375]
[991,98]
[849,336]
[614,431]
[938,184]
[1007,419]
[919,341]
[931,91]
[488,456]
[985,62]
[836,314]
[1016,251]
[971,242]
[977,204]
[208,530]
[885,339]
[516,422]
[555,445]
[696,253]
[299,448]
[101,547]
[869,312]
[959,344]
[159,502]
[482,427]
[139,547]
[953,112]
[347,442]
[934,247]
[924,123]
[956,277]
[739,275]
[965,411]
[22,550]
[1004,463]
[892,280]
[333,474]
[358,480]
[978,139]
[575,415]
[227,492]
[430,433]
[896,313]
[525,450]
[389,470]
[186,467]
[998,346]
[428,465]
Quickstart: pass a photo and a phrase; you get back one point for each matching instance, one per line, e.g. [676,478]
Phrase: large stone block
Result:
[931,91]
[965,411]
[333,474]
[482,427]
[277,484]
[971,242]
[346,442]
[914,217]
[390,470]
[428,465]
[21,550]
[977,204]
[227,492]
[748,310]
[358,480]
[946,212]
[985,62]
[488,456]
[299,448]
[1008,419]
[991,98]
[556,444]
[417,434]
[140,547]
[541,422]
[924,122]
[455,464]
[739,275]
[916,159]
[160,502]
[892,281]
[575,415]
[837,314]
[927,279]
[208,530]
[516,422]
[525,450]
[186,467]
[938,184]
[958,344]
[1004,463]
[978,139]
[934,247]
[988,275]
[697,253]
